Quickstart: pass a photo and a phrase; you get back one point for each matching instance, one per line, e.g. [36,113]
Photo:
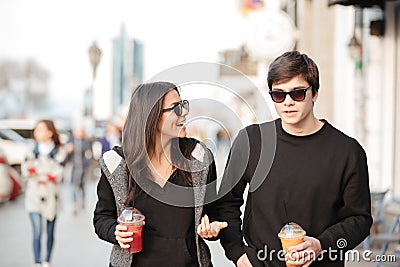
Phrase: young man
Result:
[300,169]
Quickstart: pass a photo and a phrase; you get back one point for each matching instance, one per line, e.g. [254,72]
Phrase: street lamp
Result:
[356,46]
[355,50]
[94,57]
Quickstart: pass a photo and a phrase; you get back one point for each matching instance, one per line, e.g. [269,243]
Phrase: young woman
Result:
[163,174]
[44,171]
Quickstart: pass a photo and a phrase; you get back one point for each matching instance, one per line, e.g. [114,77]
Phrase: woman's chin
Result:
[182,132]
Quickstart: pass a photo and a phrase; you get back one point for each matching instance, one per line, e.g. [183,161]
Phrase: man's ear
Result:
[315,97]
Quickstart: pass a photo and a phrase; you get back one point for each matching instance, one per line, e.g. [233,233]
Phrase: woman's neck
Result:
[46,143]
[161,152]
[161,165]
[45,147]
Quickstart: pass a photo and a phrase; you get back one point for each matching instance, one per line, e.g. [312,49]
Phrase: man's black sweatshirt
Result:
[319,181]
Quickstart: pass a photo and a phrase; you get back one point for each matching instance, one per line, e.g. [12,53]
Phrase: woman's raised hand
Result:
[207,229]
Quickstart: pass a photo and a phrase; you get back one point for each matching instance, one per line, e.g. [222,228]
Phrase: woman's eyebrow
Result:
[174,103]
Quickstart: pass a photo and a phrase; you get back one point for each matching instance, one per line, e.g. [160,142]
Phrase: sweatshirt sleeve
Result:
[211,194]
[210,207]
[231,193]
[105,213]
[355,218]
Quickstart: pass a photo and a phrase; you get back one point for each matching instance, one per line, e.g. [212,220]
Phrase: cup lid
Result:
[131,215]
[291,230]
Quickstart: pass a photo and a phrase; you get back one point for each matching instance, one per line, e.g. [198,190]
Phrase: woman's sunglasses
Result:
[177,108]
[296,95]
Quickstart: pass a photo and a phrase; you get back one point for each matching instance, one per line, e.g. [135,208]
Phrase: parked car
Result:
[16,138]
[14,147]
[24,127]
[10,181]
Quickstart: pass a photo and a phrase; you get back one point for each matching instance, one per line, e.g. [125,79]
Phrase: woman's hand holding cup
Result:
[123,237]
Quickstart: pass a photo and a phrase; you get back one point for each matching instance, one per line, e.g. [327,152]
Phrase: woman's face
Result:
[171,125]
[41,133]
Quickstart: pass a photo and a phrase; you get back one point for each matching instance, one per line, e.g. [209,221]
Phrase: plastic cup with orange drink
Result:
[291,234]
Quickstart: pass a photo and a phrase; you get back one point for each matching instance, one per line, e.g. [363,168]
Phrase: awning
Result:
[358,3]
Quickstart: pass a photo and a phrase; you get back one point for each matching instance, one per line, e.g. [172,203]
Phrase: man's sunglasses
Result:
[177,108]
[296,95]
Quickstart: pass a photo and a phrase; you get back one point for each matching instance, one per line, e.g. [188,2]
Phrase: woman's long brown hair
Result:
[139,135]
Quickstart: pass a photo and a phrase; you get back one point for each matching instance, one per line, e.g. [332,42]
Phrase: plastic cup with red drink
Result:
[133,219]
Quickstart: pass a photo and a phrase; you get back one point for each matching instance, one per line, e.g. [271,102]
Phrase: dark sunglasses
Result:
[296,95]
[177,108]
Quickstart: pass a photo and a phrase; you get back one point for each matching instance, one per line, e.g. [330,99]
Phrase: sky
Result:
[57,34]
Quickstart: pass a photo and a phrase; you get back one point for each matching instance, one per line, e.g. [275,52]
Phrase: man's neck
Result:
[307,127]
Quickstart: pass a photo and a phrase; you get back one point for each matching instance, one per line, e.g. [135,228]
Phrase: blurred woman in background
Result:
[43,169]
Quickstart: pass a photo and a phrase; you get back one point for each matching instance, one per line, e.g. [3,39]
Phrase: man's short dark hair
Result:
[290,65]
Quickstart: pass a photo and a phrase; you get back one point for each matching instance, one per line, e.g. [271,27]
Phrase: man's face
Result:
[295,113]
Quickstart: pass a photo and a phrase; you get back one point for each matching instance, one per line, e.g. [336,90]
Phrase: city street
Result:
[76,244]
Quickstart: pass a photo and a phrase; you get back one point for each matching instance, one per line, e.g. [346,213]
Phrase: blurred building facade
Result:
[390,81]
[366,102]
[127,60]
[356,45]
[359,80]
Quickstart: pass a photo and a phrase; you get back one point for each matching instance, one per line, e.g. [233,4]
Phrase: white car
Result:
[14,147]
[10,181]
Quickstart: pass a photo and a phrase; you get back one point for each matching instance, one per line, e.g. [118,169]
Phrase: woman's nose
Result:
[185,112]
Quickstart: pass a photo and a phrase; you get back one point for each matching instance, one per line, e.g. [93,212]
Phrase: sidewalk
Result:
[75,243]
